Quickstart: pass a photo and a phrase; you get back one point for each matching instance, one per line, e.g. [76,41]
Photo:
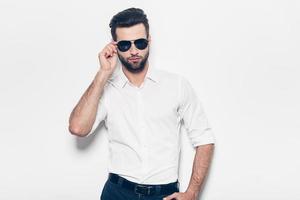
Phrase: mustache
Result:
[134,57]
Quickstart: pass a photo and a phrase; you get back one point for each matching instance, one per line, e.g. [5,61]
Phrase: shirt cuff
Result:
[198,137]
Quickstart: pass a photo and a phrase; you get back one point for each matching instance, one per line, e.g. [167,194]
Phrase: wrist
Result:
[102,76]
[192,192]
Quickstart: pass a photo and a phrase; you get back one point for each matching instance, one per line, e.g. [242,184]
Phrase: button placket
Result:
[142,127]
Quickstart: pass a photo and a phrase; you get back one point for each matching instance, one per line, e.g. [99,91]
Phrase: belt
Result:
[145,189]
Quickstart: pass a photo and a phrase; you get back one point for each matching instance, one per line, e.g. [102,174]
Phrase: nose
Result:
[133,50]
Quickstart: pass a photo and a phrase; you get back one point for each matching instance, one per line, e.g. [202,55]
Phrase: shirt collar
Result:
[120,79]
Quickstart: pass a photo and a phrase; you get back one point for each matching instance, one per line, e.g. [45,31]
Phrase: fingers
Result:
[109,50]
[112,49]
[172,196]
[113,45]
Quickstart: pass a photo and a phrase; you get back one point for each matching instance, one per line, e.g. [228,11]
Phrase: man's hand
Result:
[181,196]
[108,57]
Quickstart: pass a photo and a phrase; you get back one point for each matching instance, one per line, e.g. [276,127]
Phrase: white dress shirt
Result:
[143,124]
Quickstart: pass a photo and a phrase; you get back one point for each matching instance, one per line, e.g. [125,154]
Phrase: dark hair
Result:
[127,18]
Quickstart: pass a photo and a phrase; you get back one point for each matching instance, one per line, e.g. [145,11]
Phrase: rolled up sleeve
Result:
[193,116]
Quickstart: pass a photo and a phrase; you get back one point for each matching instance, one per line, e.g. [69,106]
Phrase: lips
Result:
[134,59]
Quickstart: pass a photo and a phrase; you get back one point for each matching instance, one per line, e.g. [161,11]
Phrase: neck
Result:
[136,78]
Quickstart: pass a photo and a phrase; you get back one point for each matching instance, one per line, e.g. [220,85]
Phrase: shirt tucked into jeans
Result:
[143,124]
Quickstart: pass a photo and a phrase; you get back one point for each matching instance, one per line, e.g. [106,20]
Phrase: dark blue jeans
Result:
[112,191]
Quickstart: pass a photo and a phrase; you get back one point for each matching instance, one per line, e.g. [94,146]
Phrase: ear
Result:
[149,39]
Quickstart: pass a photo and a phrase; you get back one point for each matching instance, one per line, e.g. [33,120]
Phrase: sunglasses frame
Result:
[133,42]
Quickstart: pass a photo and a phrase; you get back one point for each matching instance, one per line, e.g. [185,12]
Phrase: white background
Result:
[242,57]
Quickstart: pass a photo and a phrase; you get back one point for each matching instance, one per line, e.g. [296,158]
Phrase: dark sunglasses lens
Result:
[141,44]
[124,45]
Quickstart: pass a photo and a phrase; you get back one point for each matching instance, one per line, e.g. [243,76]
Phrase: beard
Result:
[134,68]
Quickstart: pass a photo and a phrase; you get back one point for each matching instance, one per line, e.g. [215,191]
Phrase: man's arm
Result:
[202,138]
[83,115]
[201,165]
[202,160]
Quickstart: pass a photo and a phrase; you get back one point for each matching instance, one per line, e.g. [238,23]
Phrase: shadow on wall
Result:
[83,143]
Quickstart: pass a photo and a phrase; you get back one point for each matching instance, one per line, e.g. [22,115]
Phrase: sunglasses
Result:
[124,45]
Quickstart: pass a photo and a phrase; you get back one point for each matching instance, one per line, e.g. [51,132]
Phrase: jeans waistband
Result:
[145,189]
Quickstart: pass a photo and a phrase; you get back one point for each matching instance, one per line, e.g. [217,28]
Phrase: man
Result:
[142,108]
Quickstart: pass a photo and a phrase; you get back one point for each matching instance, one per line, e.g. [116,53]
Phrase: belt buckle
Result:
[143,187]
